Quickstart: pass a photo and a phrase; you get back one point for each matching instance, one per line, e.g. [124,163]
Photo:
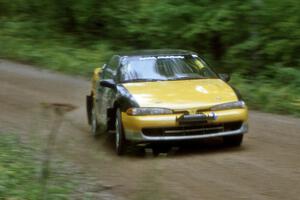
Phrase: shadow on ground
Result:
[178,149]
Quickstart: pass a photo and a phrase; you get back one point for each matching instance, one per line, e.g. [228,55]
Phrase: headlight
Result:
[230,105]
[148,111]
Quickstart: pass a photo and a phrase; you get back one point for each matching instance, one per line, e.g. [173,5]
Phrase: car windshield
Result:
[162,68]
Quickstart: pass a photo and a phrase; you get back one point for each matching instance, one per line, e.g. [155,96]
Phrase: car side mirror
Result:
[225,77]
[109,83]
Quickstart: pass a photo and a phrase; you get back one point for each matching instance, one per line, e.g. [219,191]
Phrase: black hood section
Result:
[124,99]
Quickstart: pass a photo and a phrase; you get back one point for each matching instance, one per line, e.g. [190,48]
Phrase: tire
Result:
[94,123]
[234,140]
[89,106]
[120,141]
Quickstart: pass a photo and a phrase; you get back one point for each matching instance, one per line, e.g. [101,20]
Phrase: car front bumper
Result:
[167,128]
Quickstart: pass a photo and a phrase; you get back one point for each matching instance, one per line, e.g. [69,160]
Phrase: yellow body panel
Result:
[95,78]
[136,123]
[190,95]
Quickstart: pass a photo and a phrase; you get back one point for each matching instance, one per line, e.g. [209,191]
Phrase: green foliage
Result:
[272,95]
[234,35]
[57,53]
[20,172]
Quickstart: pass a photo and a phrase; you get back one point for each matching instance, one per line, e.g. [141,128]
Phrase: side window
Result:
[114,62]
[109,71]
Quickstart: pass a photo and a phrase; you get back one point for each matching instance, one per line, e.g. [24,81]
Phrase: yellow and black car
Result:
[155,96]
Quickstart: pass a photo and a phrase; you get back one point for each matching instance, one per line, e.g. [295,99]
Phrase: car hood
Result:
[181,94]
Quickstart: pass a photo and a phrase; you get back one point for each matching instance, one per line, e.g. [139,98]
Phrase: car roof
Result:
[158,52]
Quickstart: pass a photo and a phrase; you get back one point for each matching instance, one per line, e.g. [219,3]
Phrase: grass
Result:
[48,50]
[20,172]
[277,92]
[270,95]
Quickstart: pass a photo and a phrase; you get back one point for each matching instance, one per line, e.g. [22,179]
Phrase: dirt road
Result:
[267,166]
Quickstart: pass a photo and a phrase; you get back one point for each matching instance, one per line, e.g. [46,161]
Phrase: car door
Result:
[105,95]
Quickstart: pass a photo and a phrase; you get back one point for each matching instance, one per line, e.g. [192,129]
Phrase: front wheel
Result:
[234,140]
[120,142]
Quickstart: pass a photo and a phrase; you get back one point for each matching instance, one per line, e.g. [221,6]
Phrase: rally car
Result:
[159,96]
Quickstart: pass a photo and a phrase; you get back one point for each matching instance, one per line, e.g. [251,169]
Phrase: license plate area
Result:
[192,119]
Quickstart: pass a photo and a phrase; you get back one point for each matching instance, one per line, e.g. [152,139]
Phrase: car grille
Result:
[202,129]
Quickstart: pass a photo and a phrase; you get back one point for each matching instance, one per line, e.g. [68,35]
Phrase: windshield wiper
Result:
[143,80]
[185,78]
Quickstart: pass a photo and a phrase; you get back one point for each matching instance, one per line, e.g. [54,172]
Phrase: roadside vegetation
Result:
[21,173]
[256,41]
